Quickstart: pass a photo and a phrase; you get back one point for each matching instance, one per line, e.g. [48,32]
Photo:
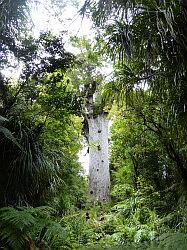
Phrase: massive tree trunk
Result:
[99,176]
[96,131]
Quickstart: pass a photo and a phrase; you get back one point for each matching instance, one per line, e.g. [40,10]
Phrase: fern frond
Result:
[55,233]
[14,226]
[20,219]
[173,241]
[42,211]
[19,226]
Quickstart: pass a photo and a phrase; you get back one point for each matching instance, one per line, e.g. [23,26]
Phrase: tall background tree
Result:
[88,79]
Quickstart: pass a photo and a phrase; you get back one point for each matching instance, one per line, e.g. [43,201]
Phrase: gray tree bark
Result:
[99,175]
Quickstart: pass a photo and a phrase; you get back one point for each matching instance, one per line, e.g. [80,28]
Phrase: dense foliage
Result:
[43,189]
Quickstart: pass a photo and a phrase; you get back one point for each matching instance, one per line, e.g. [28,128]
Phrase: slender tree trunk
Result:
[99,176]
